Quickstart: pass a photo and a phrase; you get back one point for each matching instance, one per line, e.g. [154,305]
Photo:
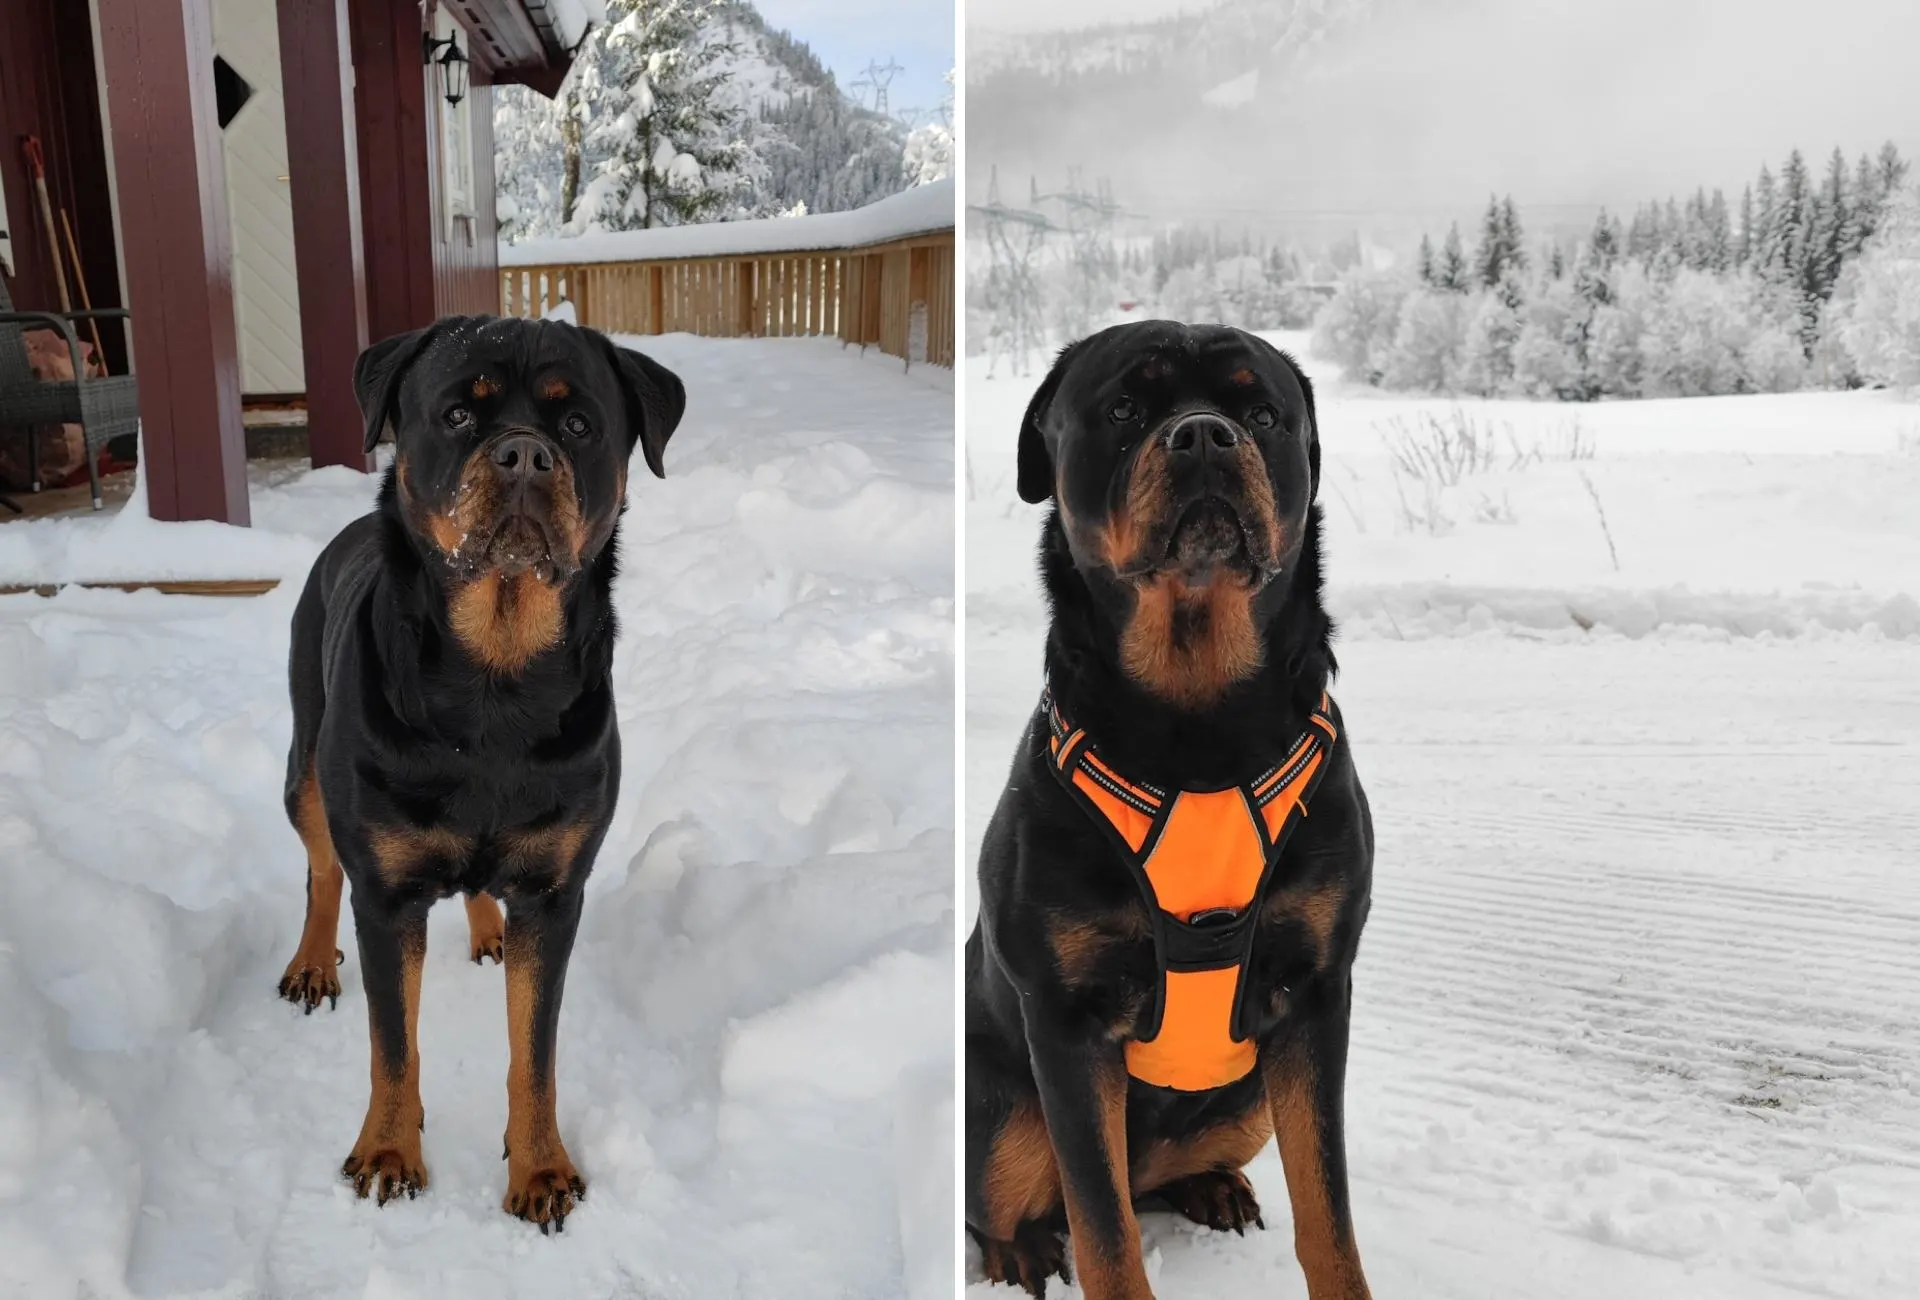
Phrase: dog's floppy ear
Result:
[655,400]
[1034,478]
[1313,431]
[377,375]
[1313,415]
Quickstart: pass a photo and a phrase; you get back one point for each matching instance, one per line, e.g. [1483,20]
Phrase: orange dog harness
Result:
[1203,859]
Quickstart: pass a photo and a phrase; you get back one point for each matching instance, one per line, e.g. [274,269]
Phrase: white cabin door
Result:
[265,289]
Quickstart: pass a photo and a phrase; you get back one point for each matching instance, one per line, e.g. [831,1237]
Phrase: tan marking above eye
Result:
[556,390]
[1243,377]
[484,386]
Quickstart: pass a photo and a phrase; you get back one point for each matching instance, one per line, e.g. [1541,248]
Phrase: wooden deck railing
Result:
[897,295]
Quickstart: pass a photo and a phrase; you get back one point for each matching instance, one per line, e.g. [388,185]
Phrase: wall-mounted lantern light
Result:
[452,64]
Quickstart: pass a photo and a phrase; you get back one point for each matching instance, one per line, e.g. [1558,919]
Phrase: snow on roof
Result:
[572,17]
[916,211]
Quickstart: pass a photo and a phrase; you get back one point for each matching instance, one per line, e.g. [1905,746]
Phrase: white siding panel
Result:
[266,289]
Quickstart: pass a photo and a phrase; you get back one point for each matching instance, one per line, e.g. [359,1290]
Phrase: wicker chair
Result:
[105,408]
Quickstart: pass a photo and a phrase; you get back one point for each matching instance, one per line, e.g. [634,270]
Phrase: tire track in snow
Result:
[1618,965]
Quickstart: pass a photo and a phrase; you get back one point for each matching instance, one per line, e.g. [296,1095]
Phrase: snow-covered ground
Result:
[1638,1010]
[756,1049]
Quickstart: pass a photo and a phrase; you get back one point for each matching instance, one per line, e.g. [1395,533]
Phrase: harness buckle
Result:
[1213,917]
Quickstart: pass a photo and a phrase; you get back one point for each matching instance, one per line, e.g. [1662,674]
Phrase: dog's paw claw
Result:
[1035,1254]
[386,1173]
[307,984]
[1220,1199]
[545,1196]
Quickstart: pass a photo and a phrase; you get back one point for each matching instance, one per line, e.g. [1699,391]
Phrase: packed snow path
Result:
[1637,1012]
[755,1050]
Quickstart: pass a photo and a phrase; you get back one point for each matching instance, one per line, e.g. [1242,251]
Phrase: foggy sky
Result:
[1431,104]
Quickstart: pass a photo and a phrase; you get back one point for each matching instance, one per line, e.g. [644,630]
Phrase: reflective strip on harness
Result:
[1201,859]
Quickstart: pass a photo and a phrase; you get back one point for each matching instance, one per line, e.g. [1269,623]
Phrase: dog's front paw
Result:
[387,1170]
[1035,1254]
[543,1191]
[1221,1199]
[486,930]
[311,979]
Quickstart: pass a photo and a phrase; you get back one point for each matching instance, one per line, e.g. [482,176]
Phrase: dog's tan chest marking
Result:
[1189,644]
[505,621]
[400,852]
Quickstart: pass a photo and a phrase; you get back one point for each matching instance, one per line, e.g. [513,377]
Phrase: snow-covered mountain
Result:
[818,146]
[1131,101]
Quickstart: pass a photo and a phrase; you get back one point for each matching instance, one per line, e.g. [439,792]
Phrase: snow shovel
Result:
[37,162]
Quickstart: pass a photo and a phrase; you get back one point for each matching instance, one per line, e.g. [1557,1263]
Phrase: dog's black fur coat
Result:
[453,715]
[1046,1016]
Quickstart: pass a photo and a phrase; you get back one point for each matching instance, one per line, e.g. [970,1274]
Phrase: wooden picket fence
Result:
[897,296]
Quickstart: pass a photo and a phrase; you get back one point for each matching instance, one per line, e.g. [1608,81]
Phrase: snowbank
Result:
[755,1054]
[917,211]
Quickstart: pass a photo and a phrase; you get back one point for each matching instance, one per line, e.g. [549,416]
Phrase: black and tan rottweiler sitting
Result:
[453,719]
[1158,983]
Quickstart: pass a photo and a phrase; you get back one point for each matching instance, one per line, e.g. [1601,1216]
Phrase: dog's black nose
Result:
[523,456]
[1198,435]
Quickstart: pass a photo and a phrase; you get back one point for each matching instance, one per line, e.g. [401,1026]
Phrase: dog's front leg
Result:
[542,1184]
[393,948]
[1083,1096]
[1304,1067]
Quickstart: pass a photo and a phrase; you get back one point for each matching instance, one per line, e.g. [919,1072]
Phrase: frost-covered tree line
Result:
[680,111]
[1810,281]
[1086,274]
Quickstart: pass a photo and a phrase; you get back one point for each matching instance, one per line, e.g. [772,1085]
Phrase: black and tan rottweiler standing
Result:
[1173,884]
[453,719]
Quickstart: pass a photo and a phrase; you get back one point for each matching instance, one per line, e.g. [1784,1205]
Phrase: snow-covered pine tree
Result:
[1450,272]
[1693,230]
[528,191]
[1866,200]
[1670,232]
[1743,240]
[1593,268]
[1643,235]
[1892,169]
[1793,219]
[1829,231]
[1423,262]
[1766,224]
[1556,262]
[1489,259]
[1719,247]
[671,148]
[1515,246]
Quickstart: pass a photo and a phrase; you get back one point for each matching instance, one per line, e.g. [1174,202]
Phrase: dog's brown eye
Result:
[459,417]
[576,425]
[1264,416]
[1124,411]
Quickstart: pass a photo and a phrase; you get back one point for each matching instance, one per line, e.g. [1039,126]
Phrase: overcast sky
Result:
[846,34]
[1563,102]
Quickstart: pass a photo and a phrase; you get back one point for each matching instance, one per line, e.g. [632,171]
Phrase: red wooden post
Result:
[158,60]
[396,200]
[323,164]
